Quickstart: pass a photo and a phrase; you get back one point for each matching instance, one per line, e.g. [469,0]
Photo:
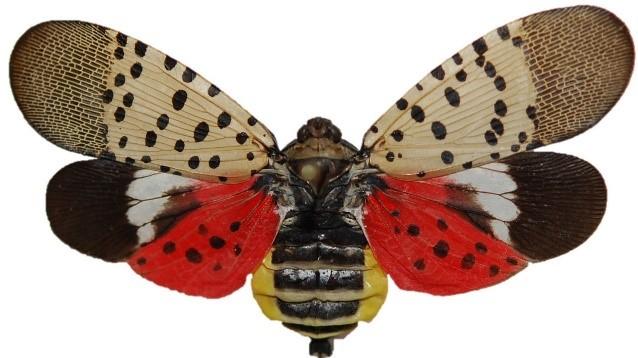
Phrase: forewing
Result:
[96,91]
[197,237]
[478,227]
[535,81]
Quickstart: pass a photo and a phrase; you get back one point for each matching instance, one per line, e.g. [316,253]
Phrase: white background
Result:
[286,62]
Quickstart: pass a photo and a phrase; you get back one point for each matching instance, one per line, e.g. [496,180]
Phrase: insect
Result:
[445,194]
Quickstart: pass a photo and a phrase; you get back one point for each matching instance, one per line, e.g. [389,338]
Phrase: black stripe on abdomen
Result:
[325,310]
[340,245]
[321,279]
[318,252]
[320,329]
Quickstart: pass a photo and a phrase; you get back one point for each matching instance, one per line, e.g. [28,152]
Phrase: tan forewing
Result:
[535,81]
[98,92]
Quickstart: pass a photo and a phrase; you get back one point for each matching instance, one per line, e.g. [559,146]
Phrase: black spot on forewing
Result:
[179,145]
[201,132]
[140,48]
[457,59]
[438,73]
[188,75]
[417,114]
[480,61]
[447,157]
[461,76]
[402,104]
[490,138]
[503,32]
[499,83]
[119,80]
[107,96]
[150,139]
[162,121]
[439,130]
[213,90]
[127,100]
[121,39]
[490,70]
[480,47]
[397,134]
[389,156]
[535,143]
[119,114]
[193,162]
[214,161]
[119,53]
[241,137]
[497,126]
[452,97]
[223,120]
[169,63]
[136,70]
[500,108]
[179,99]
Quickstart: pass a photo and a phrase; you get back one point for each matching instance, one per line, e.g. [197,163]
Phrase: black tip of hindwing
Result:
[86,205]
[562,200]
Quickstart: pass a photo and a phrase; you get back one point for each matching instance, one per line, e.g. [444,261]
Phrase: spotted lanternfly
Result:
[445,195]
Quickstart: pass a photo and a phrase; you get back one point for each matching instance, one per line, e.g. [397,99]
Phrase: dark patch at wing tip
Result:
[87,204]
[562,200]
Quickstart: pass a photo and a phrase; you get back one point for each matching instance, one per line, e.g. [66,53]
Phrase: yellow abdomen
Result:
[318,299]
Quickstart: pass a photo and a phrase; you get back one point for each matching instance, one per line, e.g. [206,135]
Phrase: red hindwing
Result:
[209,251]
[428,246]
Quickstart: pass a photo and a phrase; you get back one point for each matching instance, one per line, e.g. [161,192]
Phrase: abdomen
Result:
[320,278]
